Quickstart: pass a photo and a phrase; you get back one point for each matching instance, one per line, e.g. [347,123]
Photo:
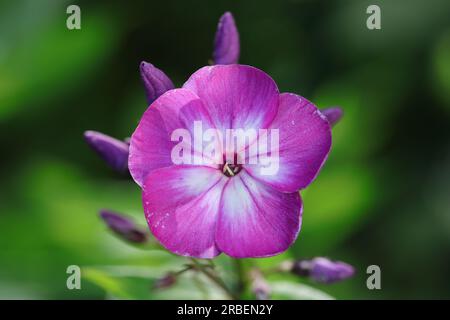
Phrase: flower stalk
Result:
[206,270]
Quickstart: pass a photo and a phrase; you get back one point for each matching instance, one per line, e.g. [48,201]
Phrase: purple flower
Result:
[333,114]
[226,43]
[155,81]
[201,209]
[123,226]
[323,270]
[114,152]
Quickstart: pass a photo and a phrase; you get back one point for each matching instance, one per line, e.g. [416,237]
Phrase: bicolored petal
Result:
[151,144]
[114,152]
[236,96]
[333,114]
[256,220]
[226,42]
[304,143]
[156,82]
[181,204]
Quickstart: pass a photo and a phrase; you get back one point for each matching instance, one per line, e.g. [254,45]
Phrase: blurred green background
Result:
[382,198]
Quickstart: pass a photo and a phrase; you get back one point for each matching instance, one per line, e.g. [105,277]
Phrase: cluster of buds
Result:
[226,51]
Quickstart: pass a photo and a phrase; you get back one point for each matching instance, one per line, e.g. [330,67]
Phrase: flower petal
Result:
[156,82]
[236,96]
[256,220]
[304,143]
[226,42]
[181,204]
[151,144]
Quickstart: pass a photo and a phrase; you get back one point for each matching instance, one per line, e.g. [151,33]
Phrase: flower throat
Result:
[231,170]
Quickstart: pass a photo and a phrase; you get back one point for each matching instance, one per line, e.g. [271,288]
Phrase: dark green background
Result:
[382,197]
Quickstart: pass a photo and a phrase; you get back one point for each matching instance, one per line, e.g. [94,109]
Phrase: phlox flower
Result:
[201,210]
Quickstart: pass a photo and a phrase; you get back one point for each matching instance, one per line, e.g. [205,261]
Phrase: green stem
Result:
[240,275]
[214,278]
[179,272]
[201,286]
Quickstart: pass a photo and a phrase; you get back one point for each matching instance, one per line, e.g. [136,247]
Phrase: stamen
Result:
[230,170]
[227,169]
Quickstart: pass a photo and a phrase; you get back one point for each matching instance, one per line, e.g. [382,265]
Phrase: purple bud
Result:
[259,286]
[333,114]
[165,281]
[156,82]
[113,151]
[323,270]
[261,293]
[226,43]
[123,226]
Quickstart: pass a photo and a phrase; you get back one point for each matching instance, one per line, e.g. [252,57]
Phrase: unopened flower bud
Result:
[259,285]
[156,82]
[226,43]
[123,227]
[114,152]
[165,281]
[323,270]
[333,114]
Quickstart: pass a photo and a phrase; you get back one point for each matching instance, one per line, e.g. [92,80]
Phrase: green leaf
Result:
[135,282]
[114,286]
[189,286]
[295,291]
